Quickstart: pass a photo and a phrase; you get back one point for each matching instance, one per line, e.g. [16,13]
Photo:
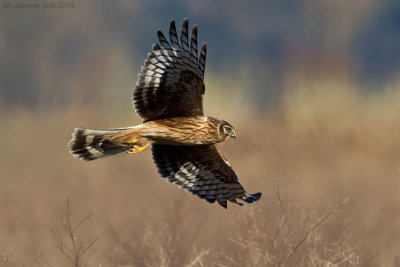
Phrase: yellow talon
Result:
[137,149]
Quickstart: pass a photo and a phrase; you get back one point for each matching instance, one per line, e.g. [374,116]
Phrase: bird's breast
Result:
[181,131]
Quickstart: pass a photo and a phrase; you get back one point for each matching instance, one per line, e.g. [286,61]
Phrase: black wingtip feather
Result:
[202,57]
[173,36]
[185,36]
[193,44]
[253,197]
[163,41]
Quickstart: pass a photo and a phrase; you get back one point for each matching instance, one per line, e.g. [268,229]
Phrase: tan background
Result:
[312,88]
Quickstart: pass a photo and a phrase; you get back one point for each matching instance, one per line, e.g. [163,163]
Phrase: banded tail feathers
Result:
[88,144]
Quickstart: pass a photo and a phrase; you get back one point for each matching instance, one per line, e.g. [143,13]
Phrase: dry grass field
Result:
[326,158]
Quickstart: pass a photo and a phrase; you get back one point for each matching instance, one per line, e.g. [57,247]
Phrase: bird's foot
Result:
[137,146]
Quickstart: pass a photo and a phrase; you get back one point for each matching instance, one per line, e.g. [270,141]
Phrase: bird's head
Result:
[227,130]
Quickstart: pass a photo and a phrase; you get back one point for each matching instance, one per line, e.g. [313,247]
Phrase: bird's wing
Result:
[170,83]
[201,170]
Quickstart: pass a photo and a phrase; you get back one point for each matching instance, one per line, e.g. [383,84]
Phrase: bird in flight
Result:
[169,98]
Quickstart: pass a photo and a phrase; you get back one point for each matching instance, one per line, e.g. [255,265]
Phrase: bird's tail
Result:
[88,144]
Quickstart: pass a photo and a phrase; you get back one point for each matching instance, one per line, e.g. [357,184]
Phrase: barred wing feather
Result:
[170,83]
[201,170]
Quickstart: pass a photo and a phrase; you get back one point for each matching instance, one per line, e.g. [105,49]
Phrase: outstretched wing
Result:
[170,83]
[201,170]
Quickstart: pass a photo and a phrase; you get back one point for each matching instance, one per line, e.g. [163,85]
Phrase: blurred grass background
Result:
[312,88]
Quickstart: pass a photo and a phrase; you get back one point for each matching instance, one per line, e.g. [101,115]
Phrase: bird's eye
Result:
[227,129]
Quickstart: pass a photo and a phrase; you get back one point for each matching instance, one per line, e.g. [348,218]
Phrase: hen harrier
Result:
[168,97]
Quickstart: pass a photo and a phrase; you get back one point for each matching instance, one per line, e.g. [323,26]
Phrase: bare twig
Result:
[77,249]
[323,219]
[198,259]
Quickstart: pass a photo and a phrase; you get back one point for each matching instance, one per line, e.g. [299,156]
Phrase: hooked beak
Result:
[233,134]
